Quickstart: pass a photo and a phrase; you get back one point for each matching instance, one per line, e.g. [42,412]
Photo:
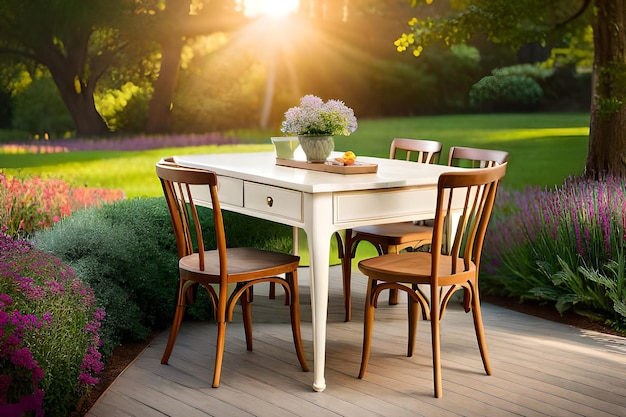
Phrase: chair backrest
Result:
[477,189]
[427,151]
[476,157]
[177,182]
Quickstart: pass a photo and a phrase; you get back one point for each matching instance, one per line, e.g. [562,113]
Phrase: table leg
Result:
[319,232]
[319,252]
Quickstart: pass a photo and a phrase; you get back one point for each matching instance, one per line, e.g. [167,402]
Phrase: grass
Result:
[131,171]
[544,149]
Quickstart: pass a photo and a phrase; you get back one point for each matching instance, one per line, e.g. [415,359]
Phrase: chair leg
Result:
[435,314]
[272,293]
[346,274]
[480,332]
[246,309]
[414,310]
[393,293]
[393,297]
[178,318]
[222,305]
[368,326]
[294,310]
[219,352]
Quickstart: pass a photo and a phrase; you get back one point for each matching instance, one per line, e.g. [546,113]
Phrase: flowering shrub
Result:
[567,245]
[21,374]
[34,204]
[316,117]
[48,321]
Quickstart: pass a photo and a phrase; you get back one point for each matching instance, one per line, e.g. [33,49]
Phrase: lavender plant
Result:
[566,245]
[51,314]
[316,117]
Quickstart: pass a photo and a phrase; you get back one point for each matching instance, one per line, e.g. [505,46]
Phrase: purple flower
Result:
[39,288]
[314,117]
[5,381]
[24,358]
[5,300]
[87,379]
[55,287]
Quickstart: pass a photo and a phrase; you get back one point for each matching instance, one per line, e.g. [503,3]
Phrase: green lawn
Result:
[544,149]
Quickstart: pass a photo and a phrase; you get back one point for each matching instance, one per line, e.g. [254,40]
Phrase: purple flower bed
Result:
[138,143]
[566,245]
[49,332]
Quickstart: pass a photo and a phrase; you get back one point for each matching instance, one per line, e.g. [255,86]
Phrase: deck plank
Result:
[540,368]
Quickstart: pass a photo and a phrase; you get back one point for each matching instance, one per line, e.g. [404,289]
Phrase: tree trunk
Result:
[159,112]
[67,70]
[607,137]
[81,106]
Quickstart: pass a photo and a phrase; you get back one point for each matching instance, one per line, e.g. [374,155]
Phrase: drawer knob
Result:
[269,201]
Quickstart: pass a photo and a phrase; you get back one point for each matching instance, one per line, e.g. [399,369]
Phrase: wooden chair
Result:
[445,274]
[460,156]
[216,269]
[394,237]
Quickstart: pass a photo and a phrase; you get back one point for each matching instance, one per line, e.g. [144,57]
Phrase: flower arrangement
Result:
[316,117]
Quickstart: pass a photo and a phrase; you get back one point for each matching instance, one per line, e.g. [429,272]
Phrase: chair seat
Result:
[415,268]
[248,263]
[394,233]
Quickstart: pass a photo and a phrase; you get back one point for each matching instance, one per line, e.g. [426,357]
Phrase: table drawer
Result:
[277,201]
[229,191]
[356,206]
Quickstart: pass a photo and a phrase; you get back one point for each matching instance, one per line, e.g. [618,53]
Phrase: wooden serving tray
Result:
[329,166]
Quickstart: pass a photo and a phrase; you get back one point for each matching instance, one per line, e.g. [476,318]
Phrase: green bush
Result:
[565,245]
[127,252]
[13,136]
[456,70]
[536,72]
[400,88]
[39,109]
[505,93]
[49,328]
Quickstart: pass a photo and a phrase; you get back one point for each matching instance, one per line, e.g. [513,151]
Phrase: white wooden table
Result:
[320,203]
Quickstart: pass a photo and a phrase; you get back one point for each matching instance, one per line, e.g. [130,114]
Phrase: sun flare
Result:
[270,7]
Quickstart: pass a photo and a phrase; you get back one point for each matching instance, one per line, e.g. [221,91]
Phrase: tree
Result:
[527,21]
[76,40]
[181,20]
[80,41]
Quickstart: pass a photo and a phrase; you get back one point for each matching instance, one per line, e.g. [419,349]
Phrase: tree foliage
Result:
[82,41]
[76,40]
[552,24]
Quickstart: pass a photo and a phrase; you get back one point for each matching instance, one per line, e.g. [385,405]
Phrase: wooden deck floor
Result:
[540,368]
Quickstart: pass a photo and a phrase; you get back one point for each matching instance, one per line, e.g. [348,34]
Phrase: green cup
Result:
[285,146]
